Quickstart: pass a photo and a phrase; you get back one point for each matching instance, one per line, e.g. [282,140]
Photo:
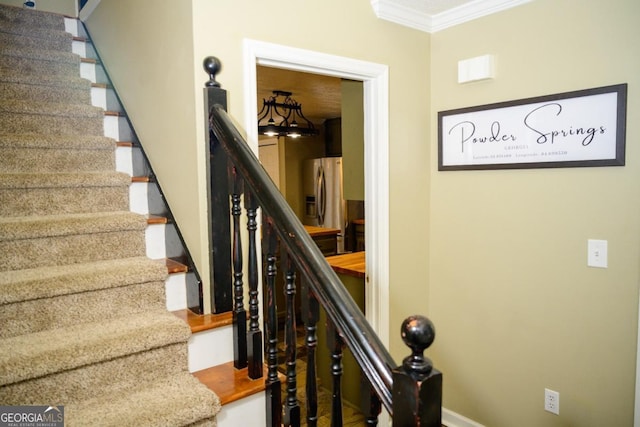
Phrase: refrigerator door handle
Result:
[321,195]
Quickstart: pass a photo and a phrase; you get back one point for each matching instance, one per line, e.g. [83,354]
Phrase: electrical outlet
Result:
[552,401]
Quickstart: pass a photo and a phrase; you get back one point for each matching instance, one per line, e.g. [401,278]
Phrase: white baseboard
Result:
[452,419]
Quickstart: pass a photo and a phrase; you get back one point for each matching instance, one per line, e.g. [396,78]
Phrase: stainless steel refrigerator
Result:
[323,198]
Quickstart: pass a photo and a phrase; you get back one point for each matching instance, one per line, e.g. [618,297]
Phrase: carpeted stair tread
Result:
[26,17]
[36,93]
[58,40]
[32,194]
[110,376]
[51,109]
[32,316]
[60,124]
[39,67]
[48,282]
[46,140]
[62,200]
[41,81]
[17,29]
[17,228]
[65,180]
[38,54]
[54,160]
[42,353]
[177,400]
[71,249]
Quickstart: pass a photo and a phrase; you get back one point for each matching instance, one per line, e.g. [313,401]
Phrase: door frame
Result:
[375,78]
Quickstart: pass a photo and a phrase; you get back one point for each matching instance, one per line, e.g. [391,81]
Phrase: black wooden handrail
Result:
[367,349]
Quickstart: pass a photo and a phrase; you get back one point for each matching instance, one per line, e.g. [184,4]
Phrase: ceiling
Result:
[320,95]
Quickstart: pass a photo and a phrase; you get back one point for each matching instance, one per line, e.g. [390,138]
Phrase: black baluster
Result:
[254,338]
[371,406]
[273,386]
[417,386]
[291,409]
[310,314]
[336,345]
[239,312]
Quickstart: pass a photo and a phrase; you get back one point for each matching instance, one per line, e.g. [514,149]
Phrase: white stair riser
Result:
[138,198]
[88,71]
[105,99]
[206,351]
[117,127]
[176,291]
[79,48]
[154,236]
[71,26]
[250,411]
[124,160]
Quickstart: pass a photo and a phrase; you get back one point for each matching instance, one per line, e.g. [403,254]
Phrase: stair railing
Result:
[411,392]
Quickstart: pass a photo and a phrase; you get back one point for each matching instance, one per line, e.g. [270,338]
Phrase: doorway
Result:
[376,149]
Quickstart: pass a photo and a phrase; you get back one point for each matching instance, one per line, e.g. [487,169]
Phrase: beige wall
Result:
[65,7]
[353,139]
[148,49]
[515,306]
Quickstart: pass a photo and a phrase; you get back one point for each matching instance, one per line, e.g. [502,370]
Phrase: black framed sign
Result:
[572,129]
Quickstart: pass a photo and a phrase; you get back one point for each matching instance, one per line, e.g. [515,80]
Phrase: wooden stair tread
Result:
[153,219]
[174,266]
[229,383]
[204,322]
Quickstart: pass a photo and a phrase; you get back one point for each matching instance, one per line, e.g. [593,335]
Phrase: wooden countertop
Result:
[321,231]
[352,264]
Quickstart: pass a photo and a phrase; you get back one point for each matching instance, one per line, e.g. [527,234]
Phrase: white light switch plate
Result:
[597,253]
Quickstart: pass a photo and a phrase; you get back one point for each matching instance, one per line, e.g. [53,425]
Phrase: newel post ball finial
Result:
[417,385]
[212,66]
[418,334]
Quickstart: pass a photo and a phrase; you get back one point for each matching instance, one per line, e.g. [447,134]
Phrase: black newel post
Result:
[218,198]
[417,386]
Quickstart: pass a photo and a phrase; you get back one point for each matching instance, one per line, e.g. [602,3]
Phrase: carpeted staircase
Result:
[83,321]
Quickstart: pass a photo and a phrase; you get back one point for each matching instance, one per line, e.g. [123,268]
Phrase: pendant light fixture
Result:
[280,117]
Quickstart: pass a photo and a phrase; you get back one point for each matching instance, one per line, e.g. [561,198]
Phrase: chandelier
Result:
[281,118]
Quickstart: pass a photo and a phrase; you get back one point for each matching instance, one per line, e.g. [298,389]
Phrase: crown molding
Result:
[420,20]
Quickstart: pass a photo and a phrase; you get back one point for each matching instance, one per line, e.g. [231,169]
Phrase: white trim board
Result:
[636,412]
[417,19]
[88,9]
[452,419]
[376,151]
